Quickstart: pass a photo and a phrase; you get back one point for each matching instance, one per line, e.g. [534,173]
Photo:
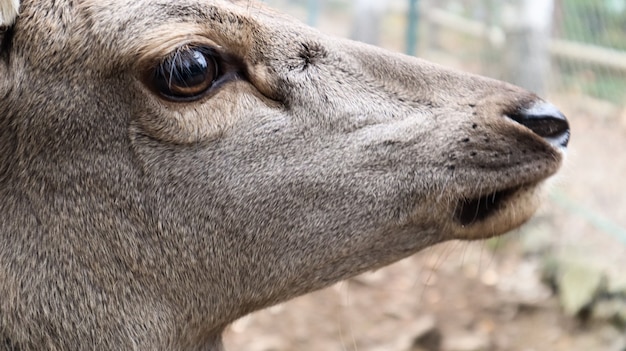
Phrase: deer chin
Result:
[495,212]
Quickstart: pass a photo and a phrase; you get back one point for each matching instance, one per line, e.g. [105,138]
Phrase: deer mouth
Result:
[470,211]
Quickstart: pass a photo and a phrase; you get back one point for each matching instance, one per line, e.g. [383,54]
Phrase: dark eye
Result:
[186,74]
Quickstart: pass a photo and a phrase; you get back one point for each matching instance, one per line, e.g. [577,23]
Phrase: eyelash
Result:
[187,74]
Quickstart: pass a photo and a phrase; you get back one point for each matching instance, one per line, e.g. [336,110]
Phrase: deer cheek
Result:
[196,122]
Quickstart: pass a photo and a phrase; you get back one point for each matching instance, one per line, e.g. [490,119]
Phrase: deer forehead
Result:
[9,10]
[125,33]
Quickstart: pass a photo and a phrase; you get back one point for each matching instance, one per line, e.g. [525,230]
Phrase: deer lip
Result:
[470,211]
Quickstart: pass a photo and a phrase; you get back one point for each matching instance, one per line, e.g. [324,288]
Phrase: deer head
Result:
[169,166]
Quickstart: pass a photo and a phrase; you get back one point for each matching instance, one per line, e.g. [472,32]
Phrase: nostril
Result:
[546,121]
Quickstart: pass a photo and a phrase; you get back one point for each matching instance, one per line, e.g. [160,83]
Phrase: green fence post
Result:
[314,12]
[411,35]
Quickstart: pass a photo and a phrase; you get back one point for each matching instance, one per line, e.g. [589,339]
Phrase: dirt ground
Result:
[473,296]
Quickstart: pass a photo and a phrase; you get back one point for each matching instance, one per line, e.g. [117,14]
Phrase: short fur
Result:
[128,222]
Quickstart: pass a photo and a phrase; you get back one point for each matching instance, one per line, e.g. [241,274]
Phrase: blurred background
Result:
[557,284]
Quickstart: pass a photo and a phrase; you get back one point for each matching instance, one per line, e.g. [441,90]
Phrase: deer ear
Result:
[8,11]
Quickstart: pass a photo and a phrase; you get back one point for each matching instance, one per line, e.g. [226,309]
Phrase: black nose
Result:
[546,121]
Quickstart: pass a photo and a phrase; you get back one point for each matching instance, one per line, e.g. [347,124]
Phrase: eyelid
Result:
[156,50]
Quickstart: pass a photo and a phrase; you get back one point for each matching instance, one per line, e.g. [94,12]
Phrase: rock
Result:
[550,271]
[619,345]
[424,336]
[467,342]
[611,338]
[616,284]
[420,335]
[621,320]
[578,279]
[429,341]
[579,283]
[610,310]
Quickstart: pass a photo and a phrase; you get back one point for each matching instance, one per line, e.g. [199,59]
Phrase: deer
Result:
[167,167]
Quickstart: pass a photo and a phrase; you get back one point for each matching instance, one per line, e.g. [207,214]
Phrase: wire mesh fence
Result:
[579,47]
[598,24]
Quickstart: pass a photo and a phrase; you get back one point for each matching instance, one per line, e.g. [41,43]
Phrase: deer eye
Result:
[186,74]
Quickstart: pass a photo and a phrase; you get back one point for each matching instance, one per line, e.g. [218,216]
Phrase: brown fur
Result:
[130,222]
